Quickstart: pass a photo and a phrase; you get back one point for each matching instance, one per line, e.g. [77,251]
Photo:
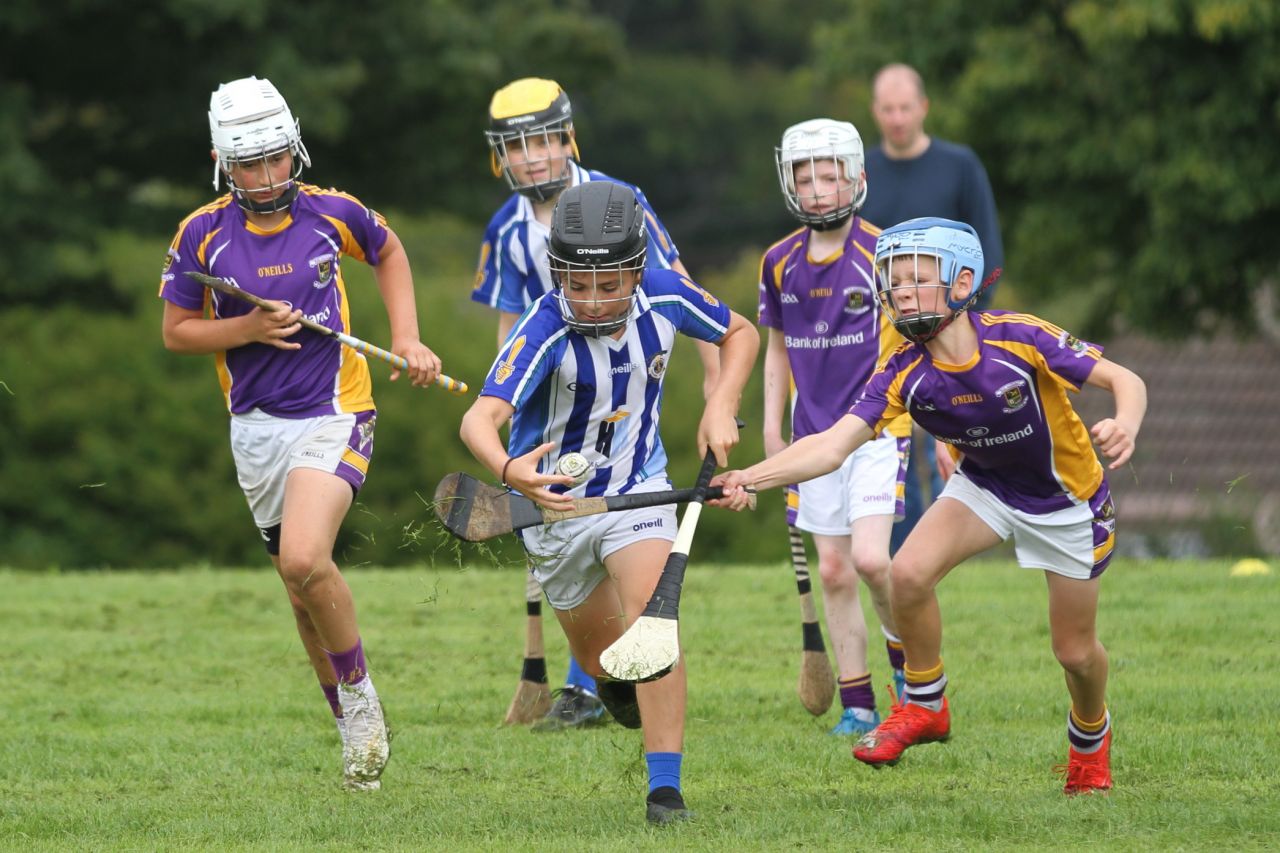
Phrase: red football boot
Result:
[907,725]
[1088,774]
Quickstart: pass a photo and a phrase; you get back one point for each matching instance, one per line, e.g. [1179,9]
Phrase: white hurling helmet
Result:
[821,139]
[248,120]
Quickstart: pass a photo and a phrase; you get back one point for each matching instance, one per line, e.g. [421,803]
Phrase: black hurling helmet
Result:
[528,109]
[597,227]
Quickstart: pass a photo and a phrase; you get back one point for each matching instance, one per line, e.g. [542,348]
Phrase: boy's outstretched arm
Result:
[811,456]
[1116,436]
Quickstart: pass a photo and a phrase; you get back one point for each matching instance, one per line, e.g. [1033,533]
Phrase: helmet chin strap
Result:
[832,224]
[283,202]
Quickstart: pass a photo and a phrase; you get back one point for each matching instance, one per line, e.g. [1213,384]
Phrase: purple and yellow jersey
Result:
[834,329]
[513,271]
[601,396]
[1005,410]
[299,263]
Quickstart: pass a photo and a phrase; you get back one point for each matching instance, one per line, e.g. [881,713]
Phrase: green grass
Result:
[175,710]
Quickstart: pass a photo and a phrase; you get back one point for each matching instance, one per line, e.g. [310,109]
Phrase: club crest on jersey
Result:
[507,366]
[366,433]
[657,365]
[1014,395]
[857,300]
[169,259]
[1066,340]
[323,265]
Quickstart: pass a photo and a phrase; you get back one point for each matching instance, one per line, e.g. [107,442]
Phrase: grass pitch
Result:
[175,710]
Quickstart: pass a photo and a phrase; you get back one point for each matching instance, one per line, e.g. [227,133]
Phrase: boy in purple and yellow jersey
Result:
[301,404]
[993,387]
[826,335]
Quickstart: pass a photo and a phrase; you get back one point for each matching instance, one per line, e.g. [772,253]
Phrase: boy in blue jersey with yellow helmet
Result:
[535,150]
[582,372]
[993,387]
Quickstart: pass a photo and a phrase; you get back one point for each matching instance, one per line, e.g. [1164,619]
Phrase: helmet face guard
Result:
[596,254]
[816,142]
[249,123]
[953,247]
[532,120]
[604,291]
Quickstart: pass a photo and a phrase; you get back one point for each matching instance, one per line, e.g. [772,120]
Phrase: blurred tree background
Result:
[1131,146]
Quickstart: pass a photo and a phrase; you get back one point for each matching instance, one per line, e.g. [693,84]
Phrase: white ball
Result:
[574,465]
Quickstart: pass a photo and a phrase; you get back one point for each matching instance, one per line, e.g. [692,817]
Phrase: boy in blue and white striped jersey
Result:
[582,371]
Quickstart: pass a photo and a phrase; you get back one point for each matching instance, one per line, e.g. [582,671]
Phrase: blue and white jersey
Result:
[601,396]
[513,272]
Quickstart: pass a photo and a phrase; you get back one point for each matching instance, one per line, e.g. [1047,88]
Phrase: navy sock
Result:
[578,677]
[664,769]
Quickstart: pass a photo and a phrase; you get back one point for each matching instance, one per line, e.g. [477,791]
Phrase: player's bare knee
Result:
[909,583]
[300,569]
[872,566]
[1078,656]
[837,572]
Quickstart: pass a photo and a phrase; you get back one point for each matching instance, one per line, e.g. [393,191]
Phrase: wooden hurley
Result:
[532,699]
[817,685]
[476,511]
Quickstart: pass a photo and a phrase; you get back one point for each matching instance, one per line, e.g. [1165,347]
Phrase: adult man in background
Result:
[911,174]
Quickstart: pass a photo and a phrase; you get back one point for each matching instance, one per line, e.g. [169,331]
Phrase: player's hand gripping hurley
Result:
[650,648]
[451,385]
[475,511]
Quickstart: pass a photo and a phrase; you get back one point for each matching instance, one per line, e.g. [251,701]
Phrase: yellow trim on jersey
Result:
[486,248]
[971,363]
[868,228]
[793,499]
[224,376]
[779,267]
[349,244]
[267,232]
[890,342]
[312,189]
[656,231]
[1075,464]
[870,256]
[1032,320]
[204,244]
[895,390]
[354,387]
[355,460]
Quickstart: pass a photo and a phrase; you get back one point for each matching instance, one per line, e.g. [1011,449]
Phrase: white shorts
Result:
[870,482]
[266,448]
[567,557]
[1075,542]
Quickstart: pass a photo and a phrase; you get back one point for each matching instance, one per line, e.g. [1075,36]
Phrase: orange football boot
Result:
[1088,774]
[907,725]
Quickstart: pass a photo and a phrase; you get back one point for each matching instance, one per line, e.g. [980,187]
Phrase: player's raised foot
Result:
[366,745]
[908,724]
[856,721]
[665,805]
[574,708]
[1088,773]
[619,698]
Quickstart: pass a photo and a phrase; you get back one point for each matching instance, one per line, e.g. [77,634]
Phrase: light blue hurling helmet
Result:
[956,247]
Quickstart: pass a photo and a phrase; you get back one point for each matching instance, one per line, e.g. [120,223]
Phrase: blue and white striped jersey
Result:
[513,272]
[600,396]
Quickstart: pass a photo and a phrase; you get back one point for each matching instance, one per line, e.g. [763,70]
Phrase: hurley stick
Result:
[451,385]
[533,698]
[476,511]
[817,686]
[650,648]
